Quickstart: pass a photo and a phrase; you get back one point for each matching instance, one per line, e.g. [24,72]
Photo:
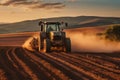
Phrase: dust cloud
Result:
[91,43]
[28,43]
[81,42]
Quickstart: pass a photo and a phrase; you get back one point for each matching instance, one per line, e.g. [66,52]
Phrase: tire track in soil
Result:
[30,67]
[2,72]
[10,71]
[20,71]
[116,70]
[53,72]
[67,68]
[112,72]
[81,64]
[107,58]
[98,71]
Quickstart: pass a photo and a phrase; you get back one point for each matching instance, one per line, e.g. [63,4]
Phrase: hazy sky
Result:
[19,10]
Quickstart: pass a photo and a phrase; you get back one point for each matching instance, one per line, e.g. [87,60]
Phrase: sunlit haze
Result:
[19,10]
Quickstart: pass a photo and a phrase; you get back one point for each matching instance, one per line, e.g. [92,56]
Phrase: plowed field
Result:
[17,63]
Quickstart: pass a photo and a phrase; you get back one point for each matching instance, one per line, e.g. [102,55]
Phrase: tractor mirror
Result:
[66,24]
[41,28]
[40,23]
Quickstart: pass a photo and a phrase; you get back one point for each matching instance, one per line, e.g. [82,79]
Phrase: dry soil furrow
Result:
[20,70]
[110,59]
[110,71]
[2,72]
[111,66]
[40,67]
[94,70]
[17,63]
[116,68]
[29,66]
[69,69]
[7,66]
[25,67]
[97,64]
[104,60]
[53,72]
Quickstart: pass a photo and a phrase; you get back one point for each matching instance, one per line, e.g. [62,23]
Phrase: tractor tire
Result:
[39,44]
[68,45]
[41,41]
[47,46]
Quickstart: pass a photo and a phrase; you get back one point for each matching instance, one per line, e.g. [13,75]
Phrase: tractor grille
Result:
[57,37]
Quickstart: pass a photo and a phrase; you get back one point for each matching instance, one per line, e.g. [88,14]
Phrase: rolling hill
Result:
[74,22]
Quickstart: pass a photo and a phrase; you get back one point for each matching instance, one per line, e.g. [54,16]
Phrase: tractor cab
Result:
[50,26]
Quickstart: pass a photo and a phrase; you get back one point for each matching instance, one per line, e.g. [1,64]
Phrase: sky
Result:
[20,10]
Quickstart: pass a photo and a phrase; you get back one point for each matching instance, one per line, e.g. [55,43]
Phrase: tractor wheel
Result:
[39,44]
[47,45]
[68,45]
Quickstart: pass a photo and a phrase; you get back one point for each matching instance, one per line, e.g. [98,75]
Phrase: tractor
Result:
[52,38]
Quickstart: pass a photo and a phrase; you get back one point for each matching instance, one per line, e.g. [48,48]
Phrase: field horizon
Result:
[74,22]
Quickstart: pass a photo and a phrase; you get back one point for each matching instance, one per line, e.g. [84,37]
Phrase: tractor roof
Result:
[53,23]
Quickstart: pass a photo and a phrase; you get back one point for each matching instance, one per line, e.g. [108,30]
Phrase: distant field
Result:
[74,22]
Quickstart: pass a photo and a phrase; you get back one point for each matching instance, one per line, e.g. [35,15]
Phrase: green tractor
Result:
[52,38]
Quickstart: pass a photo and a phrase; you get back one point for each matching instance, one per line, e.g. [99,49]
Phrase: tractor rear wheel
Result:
[47,46]
[68,45]
[39,44]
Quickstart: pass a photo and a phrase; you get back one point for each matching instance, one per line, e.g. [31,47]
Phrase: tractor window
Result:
[53,27]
